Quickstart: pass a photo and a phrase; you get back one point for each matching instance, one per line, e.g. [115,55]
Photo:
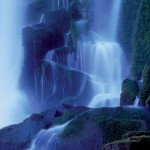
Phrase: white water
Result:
[48,139]
[136,102]
[57,4]
[42,18]
[12,101]
[102,57]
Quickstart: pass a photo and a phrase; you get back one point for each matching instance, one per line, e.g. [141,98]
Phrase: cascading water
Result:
[101,57]
[46,139]
[107,54]
[56,4]
[11,99]
[42,19]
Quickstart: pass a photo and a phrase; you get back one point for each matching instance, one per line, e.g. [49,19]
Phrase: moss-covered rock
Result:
[140,41]
[130,90]
[145,90]
[108,122]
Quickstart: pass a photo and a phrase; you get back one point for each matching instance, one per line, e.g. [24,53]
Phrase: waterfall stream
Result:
[46,139]
[12,101]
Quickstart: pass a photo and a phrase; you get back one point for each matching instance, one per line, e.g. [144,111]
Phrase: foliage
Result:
[141,41]
[127,19]
[145,91]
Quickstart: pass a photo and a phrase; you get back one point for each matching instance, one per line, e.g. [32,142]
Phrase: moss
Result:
[127,20]
[108,121]
[130,90]
[140,41]
[145,90]
[76,126]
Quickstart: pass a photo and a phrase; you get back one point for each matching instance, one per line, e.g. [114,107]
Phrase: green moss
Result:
[127,20]
[140,41]
[145,90]
[112,123]
[76,126]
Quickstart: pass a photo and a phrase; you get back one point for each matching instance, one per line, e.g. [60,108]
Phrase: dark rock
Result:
[58,20]
[58,114]
[130,90]
[37,40]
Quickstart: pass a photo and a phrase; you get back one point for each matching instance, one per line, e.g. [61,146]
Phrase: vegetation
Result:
[127,19]
[141,41]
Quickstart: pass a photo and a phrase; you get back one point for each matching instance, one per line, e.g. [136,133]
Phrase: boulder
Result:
[129,92]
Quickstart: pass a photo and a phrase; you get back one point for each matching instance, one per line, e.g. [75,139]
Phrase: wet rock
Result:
[37,40]
[19,136]
[58,20]
[96,127]
[65,85]
[130,90]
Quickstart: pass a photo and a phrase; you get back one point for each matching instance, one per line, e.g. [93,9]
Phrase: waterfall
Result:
[57,4]
[42,18]
[11,99]
[48,139]
[66,38]
[101,57]
[136,102]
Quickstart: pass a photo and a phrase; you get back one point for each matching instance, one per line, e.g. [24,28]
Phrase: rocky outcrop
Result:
[129,92]
[37,40]
[89,128]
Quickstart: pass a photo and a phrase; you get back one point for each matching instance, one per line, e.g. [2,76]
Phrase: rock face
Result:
[130,90]
[58,20]
[37,40]
[135,141]
[90,128]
